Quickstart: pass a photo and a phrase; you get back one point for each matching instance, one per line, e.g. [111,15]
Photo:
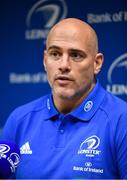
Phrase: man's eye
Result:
[54,54]
[76,56]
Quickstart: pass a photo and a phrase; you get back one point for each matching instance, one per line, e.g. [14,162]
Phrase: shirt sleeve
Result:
[121,146]
[10,128]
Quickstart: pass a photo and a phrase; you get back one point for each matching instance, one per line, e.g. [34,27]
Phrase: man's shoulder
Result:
[32,106]
[112,103]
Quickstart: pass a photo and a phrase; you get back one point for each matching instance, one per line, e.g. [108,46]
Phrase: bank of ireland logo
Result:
[117,76]
[42,16]
[88,164]
[90,146]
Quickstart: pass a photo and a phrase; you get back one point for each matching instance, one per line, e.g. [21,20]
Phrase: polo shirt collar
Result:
[50,110]
[85,111]
[90,105]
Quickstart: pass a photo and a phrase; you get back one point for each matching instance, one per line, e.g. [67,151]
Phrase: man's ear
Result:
[98,63]
[44,59]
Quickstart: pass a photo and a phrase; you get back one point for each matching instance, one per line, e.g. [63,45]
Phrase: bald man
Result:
[79,130]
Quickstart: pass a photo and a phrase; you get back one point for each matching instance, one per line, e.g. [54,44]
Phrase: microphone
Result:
[9,159]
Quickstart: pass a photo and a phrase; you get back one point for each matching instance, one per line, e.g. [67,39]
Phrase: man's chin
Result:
[66,96]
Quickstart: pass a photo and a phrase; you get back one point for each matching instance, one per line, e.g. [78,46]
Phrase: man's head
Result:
[68,25]
[71,59]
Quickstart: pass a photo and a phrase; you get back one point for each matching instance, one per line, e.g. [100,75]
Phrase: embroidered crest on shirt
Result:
[88,106]
[89,147]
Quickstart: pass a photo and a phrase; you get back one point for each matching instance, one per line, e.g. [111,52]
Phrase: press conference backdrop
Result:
[24,27]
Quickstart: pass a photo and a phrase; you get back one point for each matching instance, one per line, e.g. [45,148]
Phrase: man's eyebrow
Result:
[54,47]
[76,50]
[71,49]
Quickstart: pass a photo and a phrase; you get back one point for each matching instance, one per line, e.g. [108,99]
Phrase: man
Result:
[79,130]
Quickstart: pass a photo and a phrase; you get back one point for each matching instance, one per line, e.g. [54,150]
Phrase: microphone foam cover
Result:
[9,158]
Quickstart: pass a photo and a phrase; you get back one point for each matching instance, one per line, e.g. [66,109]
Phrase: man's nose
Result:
[64,65]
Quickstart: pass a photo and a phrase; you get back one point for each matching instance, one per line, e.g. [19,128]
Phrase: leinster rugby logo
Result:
[42,16]
[117,76]
[4,148]
[89,146]
[120,62]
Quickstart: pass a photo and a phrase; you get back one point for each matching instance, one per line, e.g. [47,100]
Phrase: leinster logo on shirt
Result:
[90,146]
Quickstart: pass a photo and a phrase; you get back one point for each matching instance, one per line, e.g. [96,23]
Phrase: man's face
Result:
[70,64]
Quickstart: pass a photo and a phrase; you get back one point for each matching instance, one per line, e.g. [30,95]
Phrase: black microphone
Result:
[9,159]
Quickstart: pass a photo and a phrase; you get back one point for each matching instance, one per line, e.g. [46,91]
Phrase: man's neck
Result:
[66,105]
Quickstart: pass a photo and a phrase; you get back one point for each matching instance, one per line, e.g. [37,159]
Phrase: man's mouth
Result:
[63,80]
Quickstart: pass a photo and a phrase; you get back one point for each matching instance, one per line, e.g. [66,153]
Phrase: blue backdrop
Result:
[24,27]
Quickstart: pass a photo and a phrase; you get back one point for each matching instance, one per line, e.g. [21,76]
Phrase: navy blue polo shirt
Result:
[88,143]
